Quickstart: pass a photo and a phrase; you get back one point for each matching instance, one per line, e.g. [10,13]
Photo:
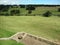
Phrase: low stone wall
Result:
[22,35]
[42,39]
[4,38]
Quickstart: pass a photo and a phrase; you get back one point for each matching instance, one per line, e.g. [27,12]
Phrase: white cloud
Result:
[14,1]
[8,1]
[4,1]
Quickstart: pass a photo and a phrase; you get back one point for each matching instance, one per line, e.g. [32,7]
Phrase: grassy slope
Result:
[9,42]
[47,27]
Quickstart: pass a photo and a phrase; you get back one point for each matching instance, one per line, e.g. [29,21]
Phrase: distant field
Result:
[9,42]
[46,27]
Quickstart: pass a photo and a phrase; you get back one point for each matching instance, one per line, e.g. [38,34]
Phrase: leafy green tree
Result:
[30,8]
[47,14]
[15,12]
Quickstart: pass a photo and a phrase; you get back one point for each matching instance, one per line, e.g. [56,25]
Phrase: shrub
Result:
[58,9]
[47,14]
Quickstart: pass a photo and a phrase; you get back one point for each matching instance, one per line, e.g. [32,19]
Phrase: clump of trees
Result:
[22,6]
[15,12]
[47,14]
[30,8]
[29,11]
[4,8]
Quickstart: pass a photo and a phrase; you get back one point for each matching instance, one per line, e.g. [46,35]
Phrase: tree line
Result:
[29,8]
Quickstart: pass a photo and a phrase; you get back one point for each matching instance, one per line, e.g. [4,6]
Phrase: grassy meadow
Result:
[9,42]
[46,27]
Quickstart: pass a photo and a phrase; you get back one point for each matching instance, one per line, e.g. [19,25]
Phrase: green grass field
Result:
[9,42]
[46,27]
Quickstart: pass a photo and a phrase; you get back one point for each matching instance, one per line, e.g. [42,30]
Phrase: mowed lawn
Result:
[46,27]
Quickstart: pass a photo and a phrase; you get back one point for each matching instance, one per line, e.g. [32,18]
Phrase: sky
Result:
[18,2]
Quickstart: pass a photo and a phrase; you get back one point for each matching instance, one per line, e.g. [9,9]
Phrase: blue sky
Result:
[29,2]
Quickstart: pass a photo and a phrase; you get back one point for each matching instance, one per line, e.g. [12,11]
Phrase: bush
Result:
[58,9]
[47,14]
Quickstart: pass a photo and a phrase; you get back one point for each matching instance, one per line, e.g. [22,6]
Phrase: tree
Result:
[47,14]
[29,11]
[15,12]
[4,8]
[30,8]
